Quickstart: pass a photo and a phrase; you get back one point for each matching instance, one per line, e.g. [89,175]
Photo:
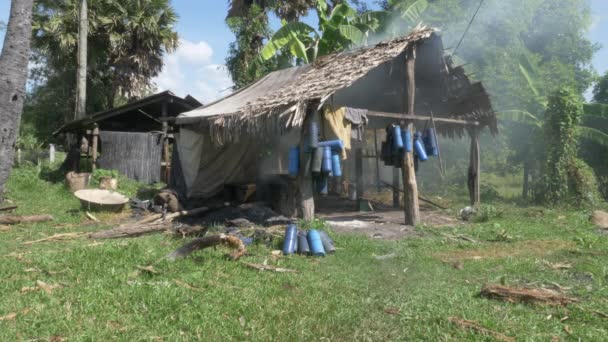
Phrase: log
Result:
[155,217]
[12,207]
[132,230]
[94,147]
[6,219]
[209,241]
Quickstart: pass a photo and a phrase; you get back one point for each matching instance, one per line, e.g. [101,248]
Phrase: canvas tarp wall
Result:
[136,155]
[206,167]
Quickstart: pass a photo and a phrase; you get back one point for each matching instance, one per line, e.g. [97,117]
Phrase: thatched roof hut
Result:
[401,81]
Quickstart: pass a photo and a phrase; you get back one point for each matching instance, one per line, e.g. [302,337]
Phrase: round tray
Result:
[97,199]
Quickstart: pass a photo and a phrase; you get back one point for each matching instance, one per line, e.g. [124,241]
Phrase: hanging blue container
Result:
[419,147]
[406,136]
[328,244]
[314,134]
[291,239]
[315,243]
[317,160]
[326,167]
[303,247]
[293,165]
[322,185]
[335,145]
[335,165]
[430,142]
[397,139]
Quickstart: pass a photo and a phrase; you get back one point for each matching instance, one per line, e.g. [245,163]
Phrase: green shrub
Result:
[485,213]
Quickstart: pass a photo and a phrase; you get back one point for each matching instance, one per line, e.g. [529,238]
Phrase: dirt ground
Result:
[382,223]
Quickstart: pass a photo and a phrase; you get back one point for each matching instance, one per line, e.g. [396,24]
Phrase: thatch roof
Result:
[279,101]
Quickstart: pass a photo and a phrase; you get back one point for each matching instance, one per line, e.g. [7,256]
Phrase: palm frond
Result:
[594,135]
[520,116]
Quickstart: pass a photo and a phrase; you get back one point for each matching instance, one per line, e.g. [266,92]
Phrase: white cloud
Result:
[189,71]
[595,22]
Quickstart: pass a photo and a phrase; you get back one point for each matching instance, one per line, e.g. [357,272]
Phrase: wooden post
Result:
[359,175]
[305,186]
[377,153]
[474,168]
[94,147]
[51,153]
[396,199]
[410,187]
[164,116]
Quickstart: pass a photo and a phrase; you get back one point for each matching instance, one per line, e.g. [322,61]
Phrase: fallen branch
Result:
[525,295]
[12,207]
[261,267]
[57,237]
[209,241]
[132,230]
[460,237]
[472,325]
[6,219]
[91,217]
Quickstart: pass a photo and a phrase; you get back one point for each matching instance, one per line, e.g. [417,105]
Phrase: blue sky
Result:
[197,66]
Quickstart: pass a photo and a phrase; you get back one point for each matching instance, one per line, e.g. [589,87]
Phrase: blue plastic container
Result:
[397,139]
[315,243]
[291,239]
[335,145]
[303,247]
[326,166]
[430,142]
[293,165]
[328,244]
[322,185]
[317,160]
[419,147]
[406,136]
[336,169]
[314,134]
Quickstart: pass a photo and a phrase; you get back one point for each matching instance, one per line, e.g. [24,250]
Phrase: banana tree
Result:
[590,110]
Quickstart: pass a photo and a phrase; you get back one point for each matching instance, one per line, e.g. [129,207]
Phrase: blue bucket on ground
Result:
[419,147]
[293,165]
[430,141]
[303,247]
[406,136]
[291,239]
[326,166]
[336,169]
[328,244]
[397,139]
[315,243]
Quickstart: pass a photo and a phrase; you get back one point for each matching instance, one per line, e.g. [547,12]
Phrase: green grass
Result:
[342,297]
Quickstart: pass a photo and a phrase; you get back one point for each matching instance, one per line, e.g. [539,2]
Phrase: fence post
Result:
[52,153]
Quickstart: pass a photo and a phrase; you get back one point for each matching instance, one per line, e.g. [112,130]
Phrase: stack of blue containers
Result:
[312,242]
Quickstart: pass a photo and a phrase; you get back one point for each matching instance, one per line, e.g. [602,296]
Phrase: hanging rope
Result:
[468,27]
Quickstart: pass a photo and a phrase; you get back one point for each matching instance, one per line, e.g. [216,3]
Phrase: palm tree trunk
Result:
[81,85]
[13,75]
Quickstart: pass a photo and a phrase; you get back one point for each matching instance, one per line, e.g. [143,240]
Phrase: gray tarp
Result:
[206,167]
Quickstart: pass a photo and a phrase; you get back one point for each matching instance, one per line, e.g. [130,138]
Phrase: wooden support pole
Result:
[411,207]
[305,185]
[474,169]
[396,199]
[94,147]
[165,125]
[377,157]
[359,175]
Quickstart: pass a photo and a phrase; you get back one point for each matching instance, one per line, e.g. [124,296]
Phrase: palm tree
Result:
[13,75]
[127,41]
